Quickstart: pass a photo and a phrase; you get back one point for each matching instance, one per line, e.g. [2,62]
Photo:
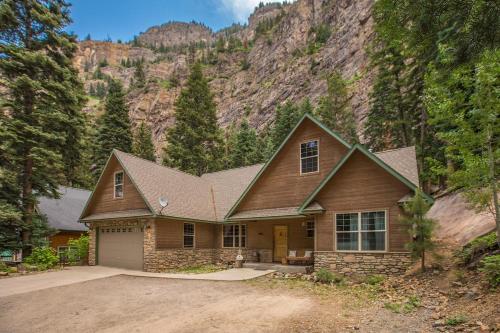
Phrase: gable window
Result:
[309,154]
[310,228]
[189,235]
[119,184]
[231,235]
[362,231]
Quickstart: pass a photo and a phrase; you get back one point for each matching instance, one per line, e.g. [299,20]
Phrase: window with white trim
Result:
[361,231]
[189,235]
[231,235]
[119,184]
[309,157]
[310,228]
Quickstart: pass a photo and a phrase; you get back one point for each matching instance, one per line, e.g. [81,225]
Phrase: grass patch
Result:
[412,303]
[456,320]
[198,269]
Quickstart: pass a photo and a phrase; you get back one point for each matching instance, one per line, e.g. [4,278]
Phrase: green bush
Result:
[374,279]
[78,249]
[477,246]
[456,320]
[325,276]
[491,266]
[42,257]
[3,267]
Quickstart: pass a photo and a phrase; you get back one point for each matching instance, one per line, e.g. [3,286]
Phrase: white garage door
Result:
[121,247]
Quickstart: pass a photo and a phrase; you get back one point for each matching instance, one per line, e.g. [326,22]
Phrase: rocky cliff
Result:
[277,59]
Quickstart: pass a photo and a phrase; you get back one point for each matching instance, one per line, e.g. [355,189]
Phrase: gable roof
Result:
[63,213]
[266,165]
[389,156]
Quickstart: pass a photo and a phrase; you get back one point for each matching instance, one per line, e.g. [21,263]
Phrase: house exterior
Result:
[62,214]
[316,193]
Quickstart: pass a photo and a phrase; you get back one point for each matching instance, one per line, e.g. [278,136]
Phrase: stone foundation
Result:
[362,263]
[165,259]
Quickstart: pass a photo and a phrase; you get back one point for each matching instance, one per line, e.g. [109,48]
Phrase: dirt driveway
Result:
[141,304]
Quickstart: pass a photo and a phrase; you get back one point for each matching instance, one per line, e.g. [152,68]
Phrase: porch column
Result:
[239,238]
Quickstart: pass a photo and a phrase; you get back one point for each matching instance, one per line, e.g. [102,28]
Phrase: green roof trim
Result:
[305,116]
[374,158]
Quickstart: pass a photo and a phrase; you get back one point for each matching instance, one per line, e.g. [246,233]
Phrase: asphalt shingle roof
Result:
[211,196]
[63,213]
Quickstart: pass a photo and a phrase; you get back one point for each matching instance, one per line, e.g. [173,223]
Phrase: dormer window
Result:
[119,184]
[309,157]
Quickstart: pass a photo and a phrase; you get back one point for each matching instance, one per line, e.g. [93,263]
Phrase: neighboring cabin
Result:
[317,193]
[62,214]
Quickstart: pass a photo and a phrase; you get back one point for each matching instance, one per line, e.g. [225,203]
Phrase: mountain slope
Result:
[276,58]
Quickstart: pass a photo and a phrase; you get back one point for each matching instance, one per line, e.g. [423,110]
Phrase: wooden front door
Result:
[280,242]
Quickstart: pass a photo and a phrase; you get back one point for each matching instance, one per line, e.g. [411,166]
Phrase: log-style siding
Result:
[361,185]
[103,200]
[170,234]
[62,238]
[281,184]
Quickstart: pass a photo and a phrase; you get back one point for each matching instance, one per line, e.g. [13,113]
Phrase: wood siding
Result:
[62,238]
[103,200]
[260,234]
[281,184]
[361,185]
[170,234]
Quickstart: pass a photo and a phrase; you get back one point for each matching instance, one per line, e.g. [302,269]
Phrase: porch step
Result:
[278,267]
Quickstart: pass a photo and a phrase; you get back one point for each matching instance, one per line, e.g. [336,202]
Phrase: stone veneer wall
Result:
[92,244]
[362,263]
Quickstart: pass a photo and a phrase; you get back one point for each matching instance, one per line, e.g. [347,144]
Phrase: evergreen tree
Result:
[420,228]
[143,143]
[287,116]
[220,45]
[139,75]
[88,37]
[246,150]
[334,111]
[194,143]
[43,99]
[114,128]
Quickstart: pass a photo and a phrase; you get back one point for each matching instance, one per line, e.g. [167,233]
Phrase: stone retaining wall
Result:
[362,263]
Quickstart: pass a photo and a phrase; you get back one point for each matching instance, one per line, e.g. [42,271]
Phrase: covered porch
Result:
[273,237]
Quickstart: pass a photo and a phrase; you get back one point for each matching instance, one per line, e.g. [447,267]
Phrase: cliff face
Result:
[278,65]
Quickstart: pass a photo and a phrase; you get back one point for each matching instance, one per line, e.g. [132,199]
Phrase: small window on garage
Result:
[119,184]
[189,235]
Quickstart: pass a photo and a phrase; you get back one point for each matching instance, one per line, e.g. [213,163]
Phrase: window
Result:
[62,252]
[188,234]
[309,152]
[119,184]
[364,231]
[231,236]
[310,228]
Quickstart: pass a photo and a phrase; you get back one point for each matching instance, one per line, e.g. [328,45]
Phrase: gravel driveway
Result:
[142,304]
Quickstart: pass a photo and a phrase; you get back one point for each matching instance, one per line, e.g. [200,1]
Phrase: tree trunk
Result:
[493,182]
[28,204]
[423,261]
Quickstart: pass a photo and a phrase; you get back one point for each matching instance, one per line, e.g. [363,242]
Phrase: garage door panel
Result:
[121,247]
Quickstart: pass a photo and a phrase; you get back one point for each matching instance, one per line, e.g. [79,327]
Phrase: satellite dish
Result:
[163,202]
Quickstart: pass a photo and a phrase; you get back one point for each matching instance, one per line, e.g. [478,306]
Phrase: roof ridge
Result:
[238,168]
[157,164]
[393,149]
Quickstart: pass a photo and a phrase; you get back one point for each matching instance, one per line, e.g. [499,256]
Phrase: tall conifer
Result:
[194,143]
[143,143]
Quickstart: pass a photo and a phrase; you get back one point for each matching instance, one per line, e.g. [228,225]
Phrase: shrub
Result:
[325,276]
[491,266]
[78,249]
[456,320]
[477,246]
[3,267]
[42,257]
[374,279]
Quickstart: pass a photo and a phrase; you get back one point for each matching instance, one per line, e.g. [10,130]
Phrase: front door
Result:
[280,242]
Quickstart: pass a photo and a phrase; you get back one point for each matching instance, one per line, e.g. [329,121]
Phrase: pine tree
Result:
[43,99]
[246,150]
[88,37]
[194,143]
[114,128]
[420,227]
[139,75]
[334,111]
[143,143]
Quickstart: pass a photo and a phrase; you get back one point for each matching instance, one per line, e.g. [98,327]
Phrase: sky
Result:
[122,19]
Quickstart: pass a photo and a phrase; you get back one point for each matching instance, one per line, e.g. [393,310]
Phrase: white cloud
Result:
[239,9]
